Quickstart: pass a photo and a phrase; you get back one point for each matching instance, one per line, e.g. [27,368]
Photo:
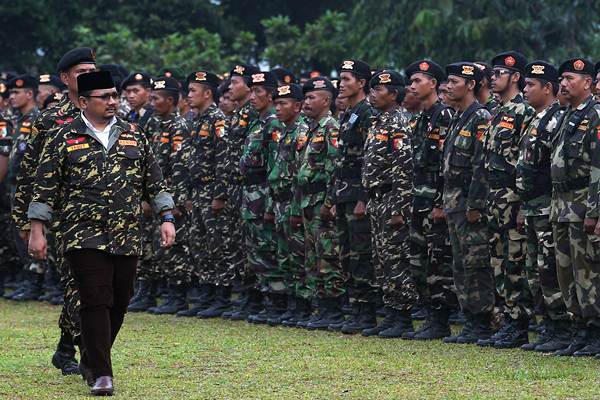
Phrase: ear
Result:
[588,82]
[64,77]
[516,77]
[83,102]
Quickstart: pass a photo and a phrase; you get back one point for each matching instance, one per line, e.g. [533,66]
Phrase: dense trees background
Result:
[302,35]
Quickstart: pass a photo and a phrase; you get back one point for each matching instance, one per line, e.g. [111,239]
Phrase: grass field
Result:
[172,358]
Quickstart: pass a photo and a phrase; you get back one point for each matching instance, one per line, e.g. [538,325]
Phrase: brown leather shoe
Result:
[103,386]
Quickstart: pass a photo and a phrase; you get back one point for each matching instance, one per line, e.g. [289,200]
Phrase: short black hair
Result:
[169,93]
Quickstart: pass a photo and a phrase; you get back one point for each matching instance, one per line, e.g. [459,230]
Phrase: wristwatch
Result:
[167,218]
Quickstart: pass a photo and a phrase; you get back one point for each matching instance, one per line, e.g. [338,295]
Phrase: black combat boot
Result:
[330,314]
[302,311]
[147,299]
[352,311]
[275,306]
[64,356]
[203,298]
[253,305]
[506,328]
[579,340]
[319,311]
[419,312]
[177,302]
[517,337]
[388,322]
[290,311]
[560,333]
[34,290]
[402,324]
[366,319]
[436,326]
[543,337]
[221,304]
[593,344]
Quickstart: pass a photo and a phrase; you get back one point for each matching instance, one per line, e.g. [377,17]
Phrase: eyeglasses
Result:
[107,96]
[499,72]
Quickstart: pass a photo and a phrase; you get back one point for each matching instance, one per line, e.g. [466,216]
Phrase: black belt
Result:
[573,184]
[379,191]
[312,188]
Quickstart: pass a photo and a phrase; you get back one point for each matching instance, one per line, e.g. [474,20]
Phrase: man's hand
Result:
[473,216]
[167,235]
[217,205]
[147,209]
[397,221]
[296,222]
[360,209]
[268,218]
[24,235]
[438,215]
[38,246]
[589,225]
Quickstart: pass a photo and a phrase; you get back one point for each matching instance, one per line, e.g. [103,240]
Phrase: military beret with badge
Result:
[578,66]
[466,70]
[387,77]
[291,91]
[52,80]
[79,55]
[318,83]
[263,78]
[426,67]
[359,68]
[284,75]
[137,78]
[540,69]
[171,72]
[165,83]
[485,68]
[512,60]
[204,78]
[23,82]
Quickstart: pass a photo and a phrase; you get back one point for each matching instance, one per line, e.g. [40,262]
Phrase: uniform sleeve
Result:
[181,177]
[155,186]
[479,187]
[332,135]
[593,209]
[221,136]
[445,121]
[367,121]
[271,134]
[48,180]
[402,174]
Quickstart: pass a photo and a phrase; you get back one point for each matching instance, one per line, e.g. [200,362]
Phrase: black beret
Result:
[318,83]
[263,78]
[23,82]
[204,78]
[53,98]
[466,70]
[291,91]
[79,55]
[94,80]
[7,76]
[511,60]
[485,68]
[165,83]
[53,80]
[137,78]
[578,66]
[171,72]
[426,67]
[244,70]
[357,67]
[541,70]
[387,77]
[117,71]
[284,75]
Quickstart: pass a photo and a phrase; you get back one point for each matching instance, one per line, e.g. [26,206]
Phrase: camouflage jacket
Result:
[43,128]
[346,183]
[428,149]
[533,180]
[284,172]
[99,189]
[23,125]
[501,147]
[240,122]
[464,183]
[200,164]
[258,155]
[142,118]
[167,135]
[317,161]
[575,166]
[387,162]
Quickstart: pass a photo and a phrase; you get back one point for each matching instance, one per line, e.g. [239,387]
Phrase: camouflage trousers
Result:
[508,248]
[578,266]
[541,267]
[235,266]
[431,261]
[473,275]
[355,254]
[324,276]
[69,320]
[391,256]
[9,258]
[290,250]
[147,269]
[174,262]
[261,248]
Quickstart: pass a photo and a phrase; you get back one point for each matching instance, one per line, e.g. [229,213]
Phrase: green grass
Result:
[172,358]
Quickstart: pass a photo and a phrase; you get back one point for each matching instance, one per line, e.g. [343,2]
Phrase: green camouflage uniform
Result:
[240,122]
[576,178]
[282,184]
[324,278]
[534,186]
[167,136]
[507,244]
[258,154]
[431,253]
[387,175]
[465,189]
[344,192]
[9,259]
[198,175]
